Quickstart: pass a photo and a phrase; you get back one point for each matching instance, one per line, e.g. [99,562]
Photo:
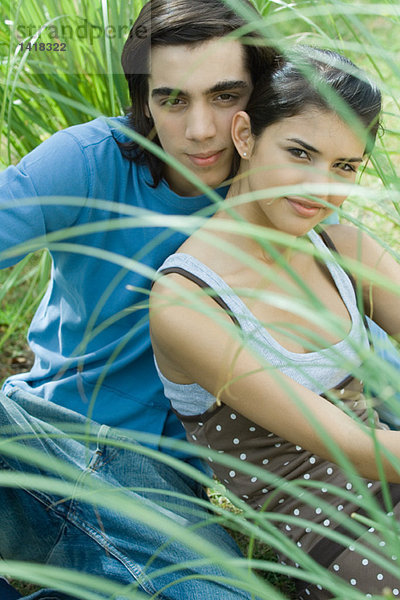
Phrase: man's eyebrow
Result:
[221,86]
[312,149]
[165,91]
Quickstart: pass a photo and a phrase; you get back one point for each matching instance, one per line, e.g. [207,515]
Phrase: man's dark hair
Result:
[178,22]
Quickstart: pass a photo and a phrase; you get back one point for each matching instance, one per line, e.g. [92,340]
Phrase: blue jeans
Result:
[82,528]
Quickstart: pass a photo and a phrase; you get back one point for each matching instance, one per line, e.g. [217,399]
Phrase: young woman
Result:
[247,362]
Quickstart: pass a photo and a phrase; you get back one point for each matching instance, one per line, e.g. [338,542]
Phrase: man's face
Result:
[194,91]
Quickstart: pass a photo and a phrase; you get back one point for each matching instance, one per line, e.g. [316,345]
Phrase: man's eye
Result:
[172,101]
[225,97]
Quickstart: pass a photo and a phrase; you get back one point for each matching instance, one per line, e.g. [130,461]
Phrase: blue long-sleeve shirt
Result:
[90,334]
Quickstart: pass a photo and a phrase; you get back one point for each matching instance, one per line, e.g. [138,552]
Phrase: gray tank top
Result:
[318,370]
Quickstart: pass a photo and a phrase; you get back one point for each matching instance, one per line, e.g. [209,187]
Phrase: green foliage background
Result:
[42,92]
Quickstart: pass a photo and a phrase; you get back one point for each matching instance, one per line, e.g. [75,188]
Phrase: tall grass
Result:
[43,92]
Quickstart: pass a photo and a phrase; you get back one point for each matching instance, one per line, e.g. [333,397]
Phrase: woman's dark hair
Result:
[178,22]
[320,78]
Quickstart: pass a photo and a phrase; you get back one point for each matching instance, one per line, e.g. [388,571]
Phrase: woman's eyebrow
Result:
[304,144]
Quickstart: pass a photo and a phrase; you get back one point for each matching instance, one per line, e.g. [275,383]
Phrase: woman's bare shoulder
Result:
[355,244]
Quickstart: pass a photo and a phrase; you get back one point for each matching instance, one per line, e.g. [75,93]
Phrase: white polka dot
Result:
[340,507]
[232,473]
[394,557]
[278,445]
[281,501]
[329,470]
[299,448]
[209,459]
[369,484]
[296,512]
[351,548]
[218,427]
[285,464]
[324,490]
[308,530]
[299,544]
[342,391]
[336,567]
[327,522]
[319,586]
[318,511]
[353,581]
[245,496]
[252,428]
[395,592]
[233,416]
[253,479]
[264,491]
[306,476]
[371,529]
[312,460]
[243,456]
[200,424]
[265,461]
[349,486]
[379,577]
[236,441]
[288,528]
[382,543]
[194,437]
[365,561]
[307,591]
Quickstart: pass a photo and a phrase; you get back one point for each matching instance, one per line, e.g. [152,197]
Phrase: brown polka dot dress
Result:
[362,557]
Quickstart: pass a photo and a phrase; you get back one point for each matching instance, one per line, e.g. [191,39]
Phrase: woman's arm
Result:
[380,304]
[200,344]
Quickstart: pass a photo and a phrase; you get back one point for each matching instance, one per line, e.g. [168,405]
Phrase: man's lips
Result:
[205,159]
[304,208]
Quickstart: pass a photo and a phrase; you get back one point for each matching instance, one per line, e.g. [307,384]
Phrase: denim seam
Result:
[133,568]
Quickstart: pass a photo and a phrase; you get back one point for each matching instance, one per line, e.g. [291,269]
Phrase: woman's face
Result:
[313,147]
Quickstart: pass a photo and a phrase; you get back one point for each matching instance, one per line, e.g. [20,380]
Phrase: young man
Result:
[93,360]
[94,366]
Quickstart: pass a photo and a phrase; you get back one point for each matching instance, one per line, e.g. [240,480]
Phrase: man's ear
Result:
[241,134]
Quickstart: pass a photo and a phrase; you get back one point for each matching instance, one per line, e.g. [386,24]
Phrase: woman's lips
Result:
[206,159]
[303,209]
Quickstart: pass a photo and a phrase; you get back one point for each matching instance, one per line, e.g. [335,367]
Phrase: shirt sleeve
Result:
[36,195]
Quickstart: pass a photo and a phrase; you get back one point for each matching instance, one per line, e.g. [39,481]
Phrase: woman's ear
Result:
[241,134]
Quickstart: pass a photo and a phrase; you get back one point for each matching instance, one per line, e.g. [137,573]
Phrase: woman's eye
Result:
[298,153]
[347,167]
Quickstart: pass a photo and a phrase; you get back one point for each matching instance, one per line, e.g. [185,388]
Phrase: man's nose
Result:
[200,123]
